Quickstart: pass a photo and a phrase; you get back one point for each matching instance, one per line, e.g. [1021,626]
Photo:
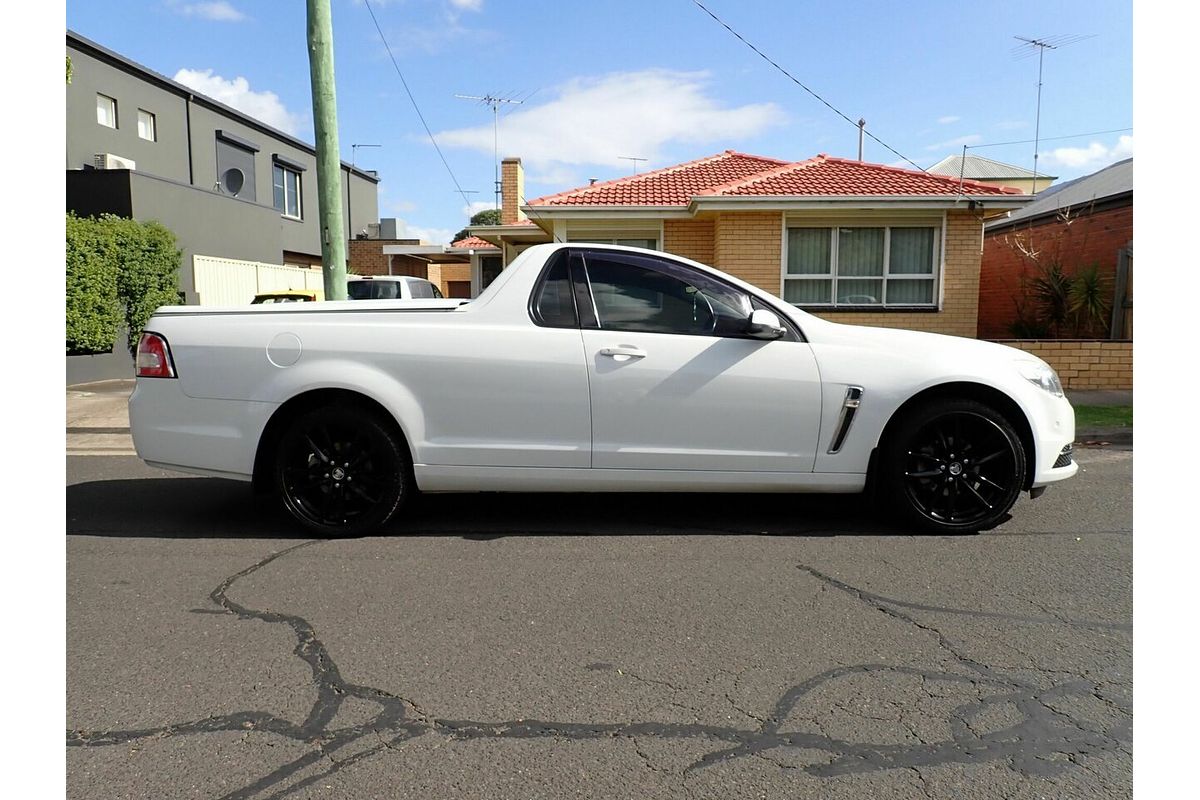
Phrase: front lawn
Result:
[1103,417]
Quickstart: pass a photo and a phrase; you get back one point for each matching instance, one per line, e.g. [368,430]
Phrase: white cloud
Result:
[217,11]
[263,106]
[948,120]
[596,120]
[1095,155]
[973,138]
[477,206]
[467,5]
[428,235]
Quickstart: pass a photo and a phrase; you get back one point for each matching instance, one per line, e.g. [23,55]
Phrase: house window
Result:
[649,244]
[106,111]
[147,125]
[861,266]
[286,183]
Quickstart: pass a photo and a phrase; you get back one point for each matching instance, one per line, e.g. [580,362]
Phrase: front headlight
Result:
[1041,374]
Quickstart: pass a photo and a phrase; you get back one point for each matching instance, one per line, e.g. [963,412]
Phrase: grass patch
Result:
[1103,417]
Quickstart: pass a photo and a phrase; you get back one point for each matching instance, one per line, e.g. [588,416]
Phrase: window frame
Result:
[586,303]
[286,171]
[153,119]
[112,104]
[933,277]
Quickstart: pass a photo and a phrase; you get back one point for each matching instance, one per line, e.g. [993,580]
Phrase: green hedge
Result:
[118,272]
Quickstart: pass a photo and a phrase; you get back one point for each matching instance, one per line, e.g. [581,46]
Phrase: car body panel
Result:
[489,400]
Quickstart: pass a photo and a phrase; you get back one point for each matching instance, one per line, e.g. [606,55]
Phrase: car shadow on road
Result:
[216,508]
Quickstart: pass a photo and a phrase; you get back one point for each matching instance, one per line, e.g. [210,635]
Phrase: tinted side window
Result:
[358,290]
[420,290]
[634,293]
[554,305]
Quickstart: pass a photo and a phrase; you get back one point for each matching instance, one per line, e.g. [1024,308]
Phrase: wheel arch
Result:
[304,402]
[982,393]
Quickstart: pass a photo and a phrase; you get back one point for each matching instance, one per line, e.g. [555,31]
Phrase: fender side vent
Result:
[849,409]
[1065,457]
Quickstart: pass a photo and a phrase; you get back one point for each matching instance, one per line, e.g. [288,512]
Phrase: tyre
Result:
[953,466]
[342,470]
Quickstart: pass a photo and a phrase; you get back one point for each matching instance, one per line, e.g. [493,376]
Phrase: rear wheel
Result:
[954,466]
[341,470]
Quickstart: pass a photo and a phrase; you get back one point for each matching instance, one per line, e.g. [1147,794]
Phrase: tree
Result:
[490,216]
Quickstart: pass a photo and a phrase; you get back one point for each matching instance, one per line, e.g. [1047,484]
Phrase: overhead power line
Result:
[1051,138]
[416,107]
[796,81]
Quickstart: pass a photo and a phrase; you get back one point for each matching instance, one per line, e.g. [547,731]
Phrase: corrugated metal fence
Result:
[229,282]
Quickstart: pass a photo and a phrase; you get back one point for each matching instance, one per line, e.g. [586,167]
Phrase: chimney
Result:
[512,191]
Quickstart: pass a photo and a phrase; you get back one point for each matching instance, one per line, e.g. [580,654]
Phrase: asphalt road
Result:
[536,646]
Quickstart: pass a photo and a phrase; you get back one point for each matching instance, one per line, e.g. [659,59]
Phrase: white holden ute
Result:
[593,368]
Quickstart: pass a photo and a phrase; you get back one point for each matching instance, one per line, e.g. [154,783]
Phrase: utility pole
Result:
[495,103]
[329,164]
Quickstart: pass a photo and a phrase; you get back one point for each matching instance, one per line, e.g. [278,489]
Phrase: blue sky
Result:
[656,79]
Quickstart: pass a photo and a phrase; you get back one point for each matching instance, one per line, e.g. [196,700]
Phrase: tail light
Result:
[154,357]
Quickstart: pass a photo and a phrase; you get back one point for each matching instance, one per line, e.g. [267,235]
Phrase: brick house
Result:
[1079,223]
[846,240]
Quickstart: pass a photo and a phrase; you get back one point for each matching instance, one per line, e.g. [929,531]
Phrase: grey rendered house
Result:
[143,146]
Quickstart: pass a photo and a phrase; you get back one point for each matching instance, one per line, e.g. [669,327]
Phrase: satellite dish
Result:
[233,179]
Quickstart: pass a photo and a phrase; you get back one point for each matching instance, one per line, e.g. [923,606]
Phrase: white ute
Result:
[593,368]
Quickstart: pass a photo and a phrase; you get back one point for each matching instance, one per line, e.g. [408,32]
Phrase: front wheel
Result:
[341,470]
[954,466]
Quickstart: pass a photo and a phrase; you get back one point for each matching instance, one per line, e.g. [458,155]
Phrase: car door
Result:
[676,382]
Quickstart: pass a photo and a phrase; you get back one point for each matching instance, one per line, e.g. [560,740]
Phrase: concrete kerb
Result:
[98,418]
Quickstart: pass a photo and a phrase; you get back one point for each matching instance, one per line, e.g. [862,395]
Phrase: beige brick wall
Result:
[749,245]
[690,238]
[960,288]
[1084,364]
[441,275]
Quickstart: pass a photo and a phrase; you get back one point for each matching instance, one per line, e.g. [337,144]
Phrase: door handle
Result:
[623,352]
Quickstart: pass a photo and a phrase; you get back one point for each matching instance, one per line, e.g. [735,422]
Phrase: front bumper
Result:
[1053,422]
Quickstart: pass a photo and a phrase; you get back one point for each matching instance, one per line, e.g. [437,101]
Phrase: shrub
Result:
[118,271]
[93,313]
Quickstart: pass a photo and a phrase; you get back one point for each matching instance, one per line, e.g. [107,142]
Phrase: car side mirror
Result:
[764,324]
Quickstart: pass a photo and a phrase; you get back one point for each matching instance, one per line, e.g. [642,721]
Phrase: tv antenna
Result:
[495,102]
[634,159]
[1040,46]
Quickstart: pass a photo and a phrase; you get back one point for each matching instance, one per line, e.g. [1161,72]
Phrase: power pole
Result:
[495,103]
[329,163]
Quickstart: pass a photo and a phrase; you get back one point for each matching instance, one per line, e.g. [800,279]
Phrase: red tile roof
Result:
[473,242]
[828,175]
[732,174]
[671,186]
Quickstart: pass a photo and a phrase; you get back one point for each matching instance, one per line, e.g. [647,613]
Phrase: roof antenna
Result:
[495,103]
[634,159]
[1041,46]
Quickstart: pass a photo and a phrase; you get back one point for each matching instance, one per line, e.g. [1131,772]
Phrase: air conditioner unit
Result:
[110,161]
[372,230]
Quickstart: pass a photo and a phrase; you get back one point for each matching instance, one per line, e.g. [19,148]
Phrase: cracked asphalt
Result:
[542,646]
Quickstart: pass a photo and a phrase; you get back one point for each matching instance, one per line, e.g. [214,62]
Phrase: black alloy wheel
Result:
[955,466]
[342,470]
